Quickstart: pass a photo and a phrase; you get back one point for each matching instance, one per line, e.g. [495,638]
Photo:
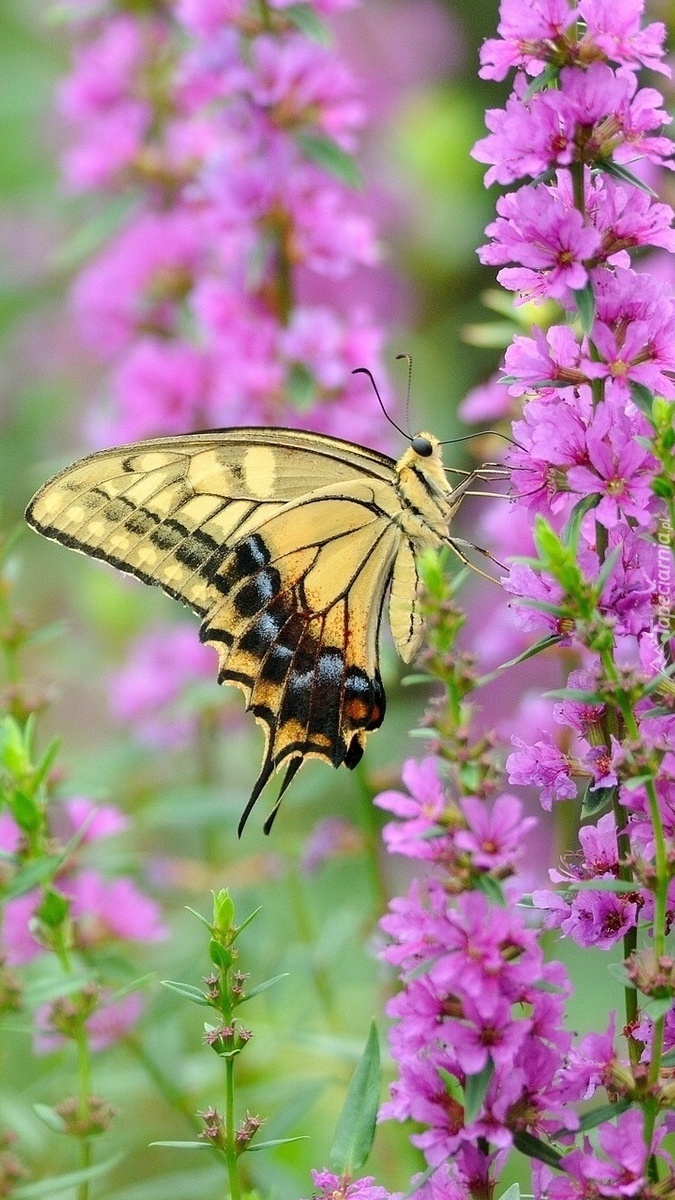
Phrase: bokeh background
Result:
[167,746]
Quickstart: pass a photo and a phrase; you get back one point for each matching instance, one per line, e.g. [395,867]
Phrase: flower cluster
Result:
[234,129]
[594,513]
[479,1005]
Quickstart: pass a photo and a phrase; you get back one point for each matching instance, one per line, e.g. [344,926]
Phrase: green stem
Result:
[578,190]
[84,1092]
[231,1155]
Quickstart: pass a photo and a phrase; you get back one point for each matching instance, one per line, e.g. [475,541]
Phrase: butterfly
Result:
[284,543]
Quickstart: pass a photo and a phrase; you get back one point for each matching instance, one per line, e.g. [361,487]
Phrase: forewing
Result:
[296,624]
[167,510]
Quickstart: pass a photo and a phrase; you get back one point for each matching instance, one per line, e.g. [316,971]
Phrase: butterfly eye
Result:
[422,446]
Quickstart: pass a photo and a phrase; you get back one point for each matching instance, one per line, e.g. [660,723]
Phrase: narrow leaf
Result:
[44,990]
[475,1090]
[533,1147]
[186,1145]
[605,1112]
[585,302]
[620,886]
[64,1183]
[187,991]
[326,153]
[618,171]
[545,77]
[573,524]
[657,1007]
[356,1124]
[303,1137]
[642,397]
[545,643]
[596,800]
[491,887]
[637,781]
[512,1193]
[577,694]
[305,19]
[50,1118]
[420,1181]
[262,987]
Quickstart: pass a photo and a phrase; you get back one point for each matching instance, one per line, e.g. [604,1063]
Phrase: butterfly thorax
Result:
[424,492]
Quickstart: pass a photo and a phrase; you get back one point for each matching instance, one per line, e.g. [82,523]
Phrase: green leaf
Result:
[641,396]
[490,887]
[93,234]
[251,917]
[619,972]
[475,1091]
[35,872]
[187,991]
[533,1147]
[617,171]
[577,694]
[657,1007]
[186,1145]
[204,920]
[571,530]
[303,1137]
[637,781]
[50,1118]
[605,1112]
[44,990]
[585,301]
[551,639]
[305,19]
[512,1193]
[594,801]
[262,987]
[356,1124]
[420,1181]
[620,886]
[549,75]
[326,153]
[411,680]
[54,1186]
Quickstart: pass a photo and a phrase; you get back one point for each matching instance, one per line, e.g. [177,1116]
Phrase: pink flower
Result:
[104,909]
[331,1187]
[614,26]
[619,470]
[495,834]
[421,812]
[529,30]
[161,388]
[542,765]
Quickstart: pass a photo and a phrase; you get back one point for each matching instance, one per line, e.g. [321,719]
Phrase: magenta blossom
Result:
[542,765]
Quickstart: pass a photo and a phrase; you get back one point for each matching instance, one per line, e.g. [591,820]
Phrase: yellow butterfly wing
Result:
[284,543]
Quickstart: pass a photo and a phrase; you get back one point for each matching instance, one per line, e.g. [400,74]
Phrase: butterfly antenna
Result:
[483,433]
[365,371]
[408,358]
